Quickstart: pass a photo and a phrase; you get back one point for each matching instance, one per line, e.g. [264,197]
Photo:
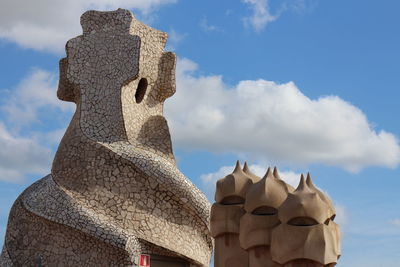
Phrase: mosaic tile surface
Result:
[114,190]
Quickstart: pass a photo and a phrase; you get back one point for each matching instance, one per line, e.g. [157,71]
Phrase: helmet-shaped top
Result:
[266,195]
[232,188]
[304,206]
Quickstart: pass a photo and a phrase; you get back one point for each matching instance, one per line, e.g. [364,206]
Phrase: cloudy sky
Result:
[307,85]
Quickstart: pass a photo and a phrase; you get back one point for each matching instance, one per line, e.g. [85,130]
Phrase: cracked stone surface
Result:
[114,190]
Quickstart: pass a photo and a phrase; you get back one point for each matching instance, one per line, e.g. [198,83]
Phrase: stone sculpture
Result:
[114,191]
[225,218]
[267,223]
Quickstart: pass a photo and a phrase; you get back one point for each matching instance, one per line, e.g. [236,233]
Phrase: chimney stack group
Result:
[265,222]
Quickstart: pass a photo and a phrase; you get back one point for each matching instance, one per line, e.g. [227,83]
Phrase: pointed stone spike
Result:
[237,167]
[276,174]
[249,173]
[311,185]
[309,181]
[268,173]
[302,184]
[245,167]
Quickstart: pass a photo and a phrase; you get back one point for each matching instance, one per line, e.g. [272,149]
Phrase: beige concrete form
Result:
[278,225]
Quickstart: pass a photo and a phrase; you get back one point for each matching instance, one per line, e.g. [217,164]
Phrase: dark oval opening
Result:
[307,262]
[265,210]
[302,221]
[141,90]
[232,200]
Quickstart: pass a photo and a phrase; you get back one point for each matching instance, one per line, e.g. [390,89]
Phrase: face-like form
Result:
[280,226]
[97,65]
[117,148]
[262,202]
[307,232]
[119,76]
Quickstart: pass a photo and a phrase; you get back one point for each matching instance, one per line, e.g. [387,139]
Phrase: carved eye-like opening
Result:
[307,262]
[141,90]
[327,221]
[265,210]
[302,221]
[232,200]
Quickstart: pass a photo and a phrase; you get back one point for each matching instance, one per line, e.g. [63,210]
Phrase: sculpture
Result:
[267,223]
[114,191]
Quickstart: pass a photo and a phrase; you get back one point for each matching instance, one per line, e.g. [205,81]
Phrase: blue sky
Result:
[307,85]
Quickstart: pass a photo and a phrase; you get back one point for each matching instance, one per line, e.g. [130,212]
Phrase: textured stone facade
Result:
[267,223]
[114,191]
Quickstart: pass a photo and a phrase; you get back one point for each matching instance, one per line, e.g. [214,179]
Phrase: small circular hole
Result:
[141,90]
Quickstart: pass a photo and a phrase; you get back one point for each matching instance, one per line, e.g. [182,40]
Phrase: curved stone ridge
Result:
[275,225]
[325,198]
[46,199]
[304,202]
[233,187]
[230,196]
[114,186]
[268,192]
[250,174]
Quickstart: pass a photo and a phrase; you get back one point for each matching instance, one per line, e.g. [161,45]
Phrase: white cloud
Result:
[301,6]
[21,156]
[259,120]
[174,39]
[205,26]
[395,222]
[228,12]
[47,24]
[341,215]
[53,137]
[271,122]
[35,92]
[209,180]
[261,14]
[25,105]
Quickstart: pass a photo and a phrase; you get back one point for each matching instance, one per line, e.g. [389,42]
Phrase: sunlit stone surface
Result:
[114,191]
[264,222]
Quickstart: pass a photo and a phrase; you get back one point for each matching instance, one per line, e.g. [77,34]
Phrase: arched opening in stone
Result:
[141,90]
[163,261]
[265,210]
[232,200]
[302,221]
